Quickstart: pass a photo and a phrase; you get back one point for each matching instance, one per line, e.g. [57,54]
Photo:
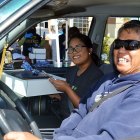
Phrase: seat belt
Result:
[115,92]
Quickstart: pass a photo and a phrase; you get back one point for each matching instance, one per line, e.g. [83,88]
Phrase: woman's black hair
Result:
[72,31]
[86,40]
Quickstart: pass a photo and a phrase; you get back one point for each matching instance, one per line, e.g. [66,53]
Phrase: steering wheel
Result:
[18,118]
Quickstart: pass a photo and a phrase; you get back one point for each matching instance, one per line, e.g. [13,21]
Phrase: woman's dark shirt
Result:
[81,84]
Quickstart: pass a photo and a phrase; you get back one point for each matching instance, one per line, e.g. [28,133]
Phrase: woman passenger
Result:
[84,74]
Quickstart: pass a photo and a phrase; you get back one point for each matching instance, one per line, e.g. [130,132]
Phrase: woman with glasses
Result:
[85,72]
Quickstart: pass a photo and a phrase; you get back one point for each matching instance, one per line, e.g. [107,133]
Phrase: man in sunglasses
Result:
[112,109]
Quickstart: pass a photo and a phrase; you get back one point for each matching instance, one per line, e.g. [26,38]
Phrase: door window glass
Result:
[50,32]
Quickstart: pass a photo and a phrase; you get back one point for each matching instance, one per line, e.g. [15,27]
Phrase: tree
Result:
[106,47]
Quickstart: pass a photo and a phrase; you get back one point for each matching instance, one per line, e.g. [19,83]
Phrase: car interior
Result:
[106,17]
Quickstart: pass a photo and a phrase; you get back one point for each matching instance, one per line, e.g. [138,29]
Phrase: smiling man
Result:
[116,117]
[127,51]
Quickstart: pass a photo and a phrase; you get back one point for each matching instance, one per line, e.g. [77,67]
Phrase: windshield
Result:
[5,11]
[2,2]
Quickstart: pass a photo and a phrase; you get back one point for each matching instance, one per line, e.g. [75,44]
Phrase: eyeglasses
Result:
[127,44]
[77,49]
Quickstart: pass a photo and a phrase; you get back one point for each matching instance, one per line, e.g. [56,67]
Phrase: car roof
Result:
[94,7]
[71,8]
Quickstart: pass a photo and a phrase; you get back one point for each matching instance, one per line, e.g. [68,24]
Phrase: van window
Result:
[83,23]
[48,27]
[50,31]
[112,26]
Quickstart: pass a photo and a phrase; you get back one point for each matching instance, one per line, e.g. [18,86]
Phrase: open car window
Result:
[49,31]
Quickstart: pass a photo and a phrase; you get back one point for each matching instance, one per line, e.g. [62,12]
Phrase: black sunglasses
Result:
[127,44]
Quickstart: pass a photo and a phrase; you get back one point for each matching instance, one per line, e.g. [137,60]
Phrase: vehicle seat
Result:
[108,68]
